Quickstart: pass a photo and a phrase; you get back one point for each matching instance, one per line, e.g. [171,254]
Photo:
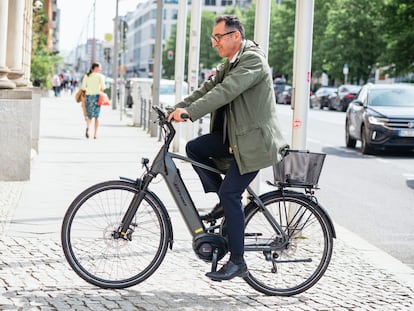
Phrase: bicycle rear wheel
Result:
[287,269]
[93,249]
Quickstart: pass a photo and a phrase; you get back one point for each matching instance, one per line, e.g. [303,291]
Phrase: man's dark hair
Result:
[232,23]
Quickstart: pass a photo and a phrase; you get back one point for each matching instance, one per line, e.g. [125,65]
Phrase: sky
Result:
[76,19]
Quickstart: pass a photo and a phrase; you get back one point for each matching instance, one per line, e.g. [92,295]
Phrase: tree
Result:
[281,39]
[208,57]
[352,38]
[398,21]
[360,33]
[44,62]
[320,22]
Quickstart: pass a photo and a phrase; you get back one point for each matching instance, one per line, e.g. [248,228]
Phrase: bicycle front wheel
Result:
[91,244]
[280,267]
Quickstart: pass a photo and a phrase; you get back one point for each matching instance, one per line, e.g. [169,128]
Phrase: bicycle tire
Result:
[299,264]
[90,248]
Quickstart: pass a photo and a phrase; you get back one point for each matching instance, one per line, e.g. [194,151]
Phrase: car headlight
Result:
[377,121]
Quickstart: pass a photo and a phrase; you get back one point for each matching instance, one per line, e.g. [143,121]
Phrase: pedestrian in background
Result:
[93,83]
[56,84]
[244,129]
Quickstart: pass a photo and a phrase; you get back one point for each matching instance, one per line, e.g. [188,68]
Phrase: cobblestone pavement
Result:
[34,274]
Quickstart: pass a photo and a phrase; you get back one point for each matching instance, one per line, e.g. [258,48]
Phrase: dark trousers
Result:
[230,189]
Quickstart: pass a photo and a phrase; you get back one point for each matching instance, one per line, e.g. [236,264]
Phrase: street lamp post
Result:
[346,71]
[115,58]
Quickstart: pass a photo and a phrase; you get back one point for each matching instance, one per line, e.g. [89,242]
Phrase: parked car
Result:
[278,88]
[346,94]
[381,117]
[167,92]
[323,97]
[285,96]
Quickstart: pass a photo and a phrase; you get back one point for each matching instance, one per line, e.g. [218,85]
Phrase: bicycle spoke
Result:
[94,247]
[292,266]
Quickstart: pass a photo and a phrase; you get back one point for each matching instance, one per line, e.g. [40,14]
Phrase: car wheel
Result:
[365,147]
[349,141]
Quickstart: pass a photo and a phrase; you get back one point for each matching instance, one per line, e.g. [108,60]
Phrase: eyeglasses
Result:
[218,36]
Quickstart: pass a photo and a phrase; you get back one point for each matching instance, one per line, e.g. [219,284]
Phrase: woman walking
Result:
[93,83]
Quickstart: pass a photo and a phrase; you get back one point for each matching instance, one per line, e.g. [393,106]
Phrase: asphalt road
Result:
[371,196]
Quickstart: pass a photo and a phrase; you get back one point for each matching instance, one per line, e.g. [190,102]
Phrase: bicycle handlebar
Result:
[165,124]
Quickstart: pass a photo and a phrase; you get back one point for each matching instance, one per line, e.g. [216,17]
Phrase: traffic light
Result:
[124,29]
[107,55]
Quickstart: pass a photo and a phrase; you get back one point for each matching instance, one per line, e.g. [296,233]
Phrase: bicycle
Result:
[115,234]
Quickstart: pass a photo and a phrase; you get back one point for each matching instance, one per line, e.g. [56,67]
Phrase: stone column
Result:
[14,54]
[5,83]
[15,134]
[27,41]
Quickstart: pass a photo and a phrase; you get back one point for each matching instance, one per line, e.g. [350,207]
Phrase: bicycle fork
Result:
[125,230]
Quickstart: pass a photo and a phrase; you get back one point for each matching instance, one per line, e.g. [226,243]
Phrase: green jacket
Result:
[246,87]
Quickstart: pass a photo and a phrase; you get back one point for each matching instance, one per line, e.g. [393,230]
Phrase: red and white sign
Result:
[297,123]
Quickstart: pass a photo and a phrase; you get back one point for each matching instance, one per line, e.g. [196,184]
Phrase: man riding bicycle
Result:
[244,128]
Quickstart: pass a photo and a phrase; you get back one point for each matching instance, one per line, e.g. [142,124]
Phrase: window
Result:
[226,2]
[174,14]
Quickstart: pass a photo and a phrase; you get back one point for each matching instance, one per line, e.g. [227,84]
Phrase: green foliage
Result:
[353,39]
[364,34]
[44,62]
[208,56]
[281,41]
[398,27]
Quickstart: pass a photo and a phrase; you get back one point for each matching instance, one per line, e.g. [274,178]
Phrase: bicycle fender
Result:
[299,194]
[132,181]
[330,222]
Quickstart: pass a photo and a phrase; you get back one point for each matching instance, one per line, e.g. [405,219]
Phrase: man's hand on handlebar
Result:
[178,115]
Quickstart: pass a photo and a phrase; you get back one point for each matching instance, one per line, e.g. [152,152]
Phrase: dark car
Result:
[285,96]
[381,117]
[323,97]
[346,94]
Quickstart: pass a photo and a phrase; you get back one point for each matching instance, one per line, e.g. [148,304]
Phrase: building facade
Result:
[137,38]
[138,58]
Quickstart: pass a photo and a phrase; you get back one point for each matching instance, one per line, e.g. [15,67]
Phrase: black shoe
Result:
[87,133]
[228,271]
[216,213]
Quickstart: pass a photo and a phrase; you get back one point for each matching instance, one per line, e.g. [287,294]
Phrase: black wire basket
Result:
[299,168]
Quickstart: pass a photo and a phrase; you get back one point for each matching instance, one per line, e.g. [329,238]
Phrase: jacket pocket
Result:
[252,147]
